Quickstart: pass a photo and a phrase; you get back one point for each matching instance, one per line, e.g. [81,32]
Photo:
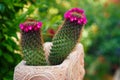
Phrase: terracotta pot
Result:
[72,67]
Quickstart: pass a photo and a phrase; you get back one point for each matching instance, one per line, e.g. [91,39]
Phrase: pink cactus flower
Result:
[76,14]
[30,25]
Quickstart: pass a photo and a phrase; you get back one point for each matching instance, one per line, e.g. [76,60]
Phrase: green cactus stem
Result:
[67,36]
[32,43]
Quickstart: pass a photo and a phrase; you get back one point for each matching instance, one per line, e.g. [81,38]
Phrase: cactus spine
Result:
[32,43]
[67,36]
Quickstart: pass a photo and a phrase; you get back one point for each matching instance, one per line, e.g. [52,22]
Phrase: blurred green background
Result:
[101,35]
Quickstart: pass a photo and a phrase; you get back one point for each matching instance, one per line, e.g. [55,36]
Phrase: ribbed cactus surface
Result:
[32,43]
[67,36]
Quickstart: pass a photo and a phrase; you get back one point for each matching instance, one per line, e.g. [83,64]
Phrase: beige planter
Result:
[72,68]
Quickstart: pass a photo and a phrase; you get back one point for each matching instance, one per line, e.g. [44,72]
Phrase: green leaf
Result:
[9,48]
[8,57]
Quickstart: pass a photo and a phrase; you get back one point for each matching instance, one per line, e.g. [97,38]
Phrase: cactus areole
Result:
[67,36]
[32,43]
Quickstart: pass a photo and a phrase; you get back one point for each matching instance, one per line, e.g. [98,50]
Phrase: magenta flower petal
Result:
[75,18]
[76,14]
[30,27]
[21,26]
[39,24]
[35,28]
[71,19]
[79,22]
[26,30]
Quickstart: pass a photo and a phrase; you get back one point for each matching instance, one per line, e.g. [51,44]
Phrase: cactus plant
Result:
[67,36]
[32,43]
